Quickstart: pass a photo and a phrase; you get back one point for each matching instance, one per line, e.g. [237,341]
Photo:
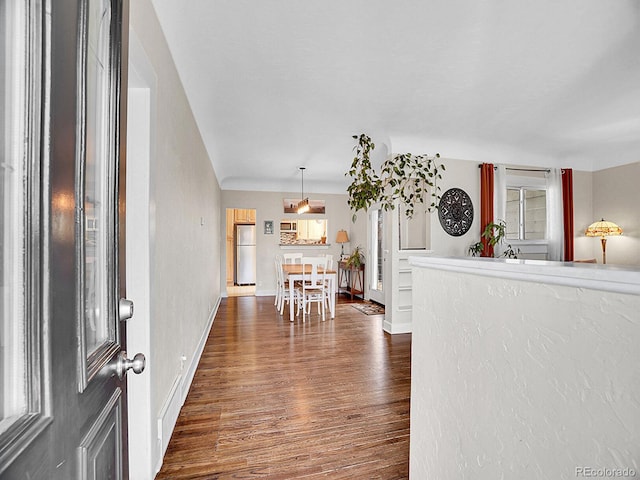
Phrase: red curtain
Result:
[486,204]
[567,212]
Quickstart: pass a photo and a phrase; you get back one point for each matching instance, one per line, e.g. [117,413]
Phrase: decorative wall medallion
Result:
[455,212]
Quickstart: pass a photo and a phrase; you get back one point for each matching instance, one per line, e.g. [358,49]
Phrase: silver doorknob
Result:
[123,364]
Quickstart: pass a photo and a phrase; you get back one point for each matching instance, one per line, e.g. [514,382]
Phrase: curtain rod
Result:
[523,169]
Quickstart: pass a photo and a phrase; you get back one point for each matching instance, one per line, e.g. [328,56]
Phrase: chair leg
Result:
[304,306]
[281,303]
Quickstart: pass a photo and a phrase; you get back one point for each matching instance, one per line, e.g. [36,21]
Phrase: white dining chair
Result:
[282,286]
[292,257]
[312,289]
[328,267]
[329,261]
[279,281]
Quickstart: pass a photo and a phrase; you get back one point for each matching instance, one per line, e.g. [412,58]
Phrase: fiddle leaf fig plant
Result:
[406,178]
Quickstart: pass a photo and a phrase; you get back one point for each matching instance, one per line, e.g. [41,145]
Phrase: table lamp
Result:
[342,238]
[603,229]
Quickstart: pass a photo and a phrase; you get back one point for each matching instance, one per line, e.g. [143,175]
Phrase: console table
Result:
[353,277]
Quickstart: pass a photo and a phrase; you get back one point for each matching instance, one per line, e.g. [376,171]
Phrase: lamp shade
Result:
[603,229]
[342,236]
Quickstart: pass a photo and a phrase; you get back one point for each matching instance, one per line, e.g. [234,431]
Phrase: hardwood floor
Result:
[280,400]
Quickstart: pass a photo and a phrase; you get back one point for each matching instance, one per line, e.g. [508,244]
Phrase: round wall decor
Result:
[455,212]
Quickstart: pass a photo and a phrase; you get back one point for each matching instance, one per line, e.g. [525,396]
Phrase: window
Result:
[303,232]
[12,195]
[21,367]
[529,200]
[526,214]
[98,93]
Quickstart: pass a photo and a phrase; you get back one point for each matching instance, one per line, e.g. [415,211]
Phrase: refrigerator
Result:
[245,246]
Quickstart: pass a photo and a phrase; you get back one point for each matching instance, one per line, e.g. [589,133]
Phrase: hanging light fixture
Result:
[303,205]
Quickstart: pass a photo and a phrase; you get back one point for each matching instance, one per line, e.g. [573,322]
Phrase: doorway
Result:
[241,252]
[377,261]
[140,249]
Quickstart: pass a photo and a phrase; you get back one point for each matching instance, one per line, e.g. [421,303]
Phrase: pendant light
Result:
[303,205]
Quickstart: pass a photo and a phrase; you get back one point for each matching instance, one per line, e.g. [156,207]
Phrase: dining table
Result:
[293,272]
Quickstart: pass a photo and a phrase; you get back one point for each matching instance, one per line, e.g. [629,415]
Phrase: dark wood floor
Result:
[279,400]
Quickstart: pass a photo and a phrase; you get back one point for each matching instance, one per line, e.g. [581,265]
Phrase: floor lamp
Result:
[603,229]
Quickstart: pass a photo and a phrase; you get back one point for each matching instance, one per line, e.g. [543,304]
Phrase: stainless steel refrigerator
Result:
[245,240]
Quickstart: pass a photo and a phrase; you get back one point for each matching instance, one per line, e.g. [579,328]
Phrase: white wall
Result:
[184,219]
[462,174]
[517,379]
[616,197]
[583,216]
[268,206]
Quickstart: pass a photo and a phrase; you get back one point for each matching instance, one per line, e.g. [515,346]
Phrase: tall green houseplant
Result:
[406,178]
[494,233]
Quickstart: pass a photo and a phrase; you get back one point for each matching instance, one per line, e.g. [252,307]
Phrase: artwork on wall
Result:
[268,227]
[291,205]
[455,212]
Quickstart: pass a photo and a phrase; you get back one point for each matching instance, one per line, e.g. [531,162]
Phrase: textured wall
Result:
[184,215]
[514,379]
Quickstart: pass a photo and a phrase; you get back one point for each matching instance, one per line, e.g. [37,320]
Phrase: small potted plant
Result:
[495,234]
[356,259]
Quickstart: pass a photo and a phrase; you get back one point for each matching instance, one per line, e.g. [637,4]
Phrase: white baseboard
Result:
[179,390]
[195,358]
[396,328]
[168,417]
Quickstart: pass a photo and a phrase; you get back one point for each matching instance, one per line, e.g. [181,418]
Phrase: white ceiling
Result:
[278,84]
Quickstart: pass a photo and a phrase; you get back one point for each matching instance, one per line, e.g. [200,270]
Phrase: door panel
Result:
[79,276]
[101,449]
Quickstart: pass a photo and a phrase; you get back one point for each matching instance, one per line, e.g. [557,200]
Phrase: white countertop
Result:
[611,278]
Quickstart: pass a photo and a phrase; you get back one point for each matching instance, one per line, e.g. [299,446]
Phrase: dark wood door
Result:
[73,421]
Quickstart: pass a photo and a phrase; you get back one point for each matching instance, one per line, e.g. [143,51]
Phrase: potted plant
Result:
[410,179]
[356,258]
[495,234]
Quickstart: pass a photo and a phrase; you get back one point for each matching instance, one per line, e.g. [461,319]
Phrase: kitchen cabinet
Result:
[245,215]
